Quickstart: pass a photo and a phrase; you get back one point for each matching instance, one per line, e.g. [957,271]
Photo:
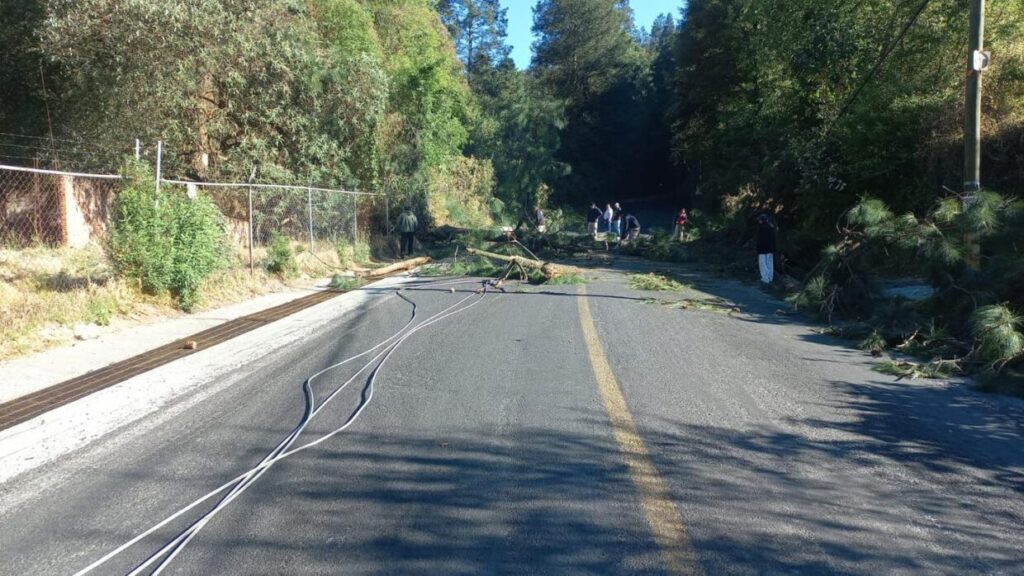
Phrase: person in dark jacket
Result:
[766,249]
[593,216]
[407,225]
[632,230]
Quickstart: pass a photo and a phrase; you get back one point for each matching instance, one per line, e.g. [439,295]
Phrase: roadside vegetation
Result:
[847,134]
[654,282]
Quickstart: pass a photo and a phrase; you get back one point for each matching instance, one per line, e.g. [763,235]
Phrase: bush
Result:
[280,257]
[165,240]
[344,252]
[361,252]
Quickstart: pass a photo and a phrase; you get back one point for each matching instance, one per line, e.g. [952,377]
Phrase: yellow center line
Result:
[662,516]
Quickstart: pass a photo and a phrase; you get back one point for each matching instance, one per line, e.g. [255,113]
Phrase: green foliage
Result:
[616,95]
[996,334]
[102,310]
[782,112]
[566,280]
[165,240]
[361,252]
[477,266]
[478,29]
[344,283]
[654,282]
[264,92]
[459,193]
[344,252]
[813,296]
[874,343]
[281,257]
[475,238]
[904,369]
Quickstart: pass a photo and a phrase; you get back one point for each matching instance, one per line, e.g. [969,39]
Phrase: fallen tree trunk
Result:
[396,267]
[549,269]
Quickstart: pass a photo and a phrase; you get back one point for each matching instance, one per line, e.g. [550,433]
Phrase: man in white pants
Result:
[766,249]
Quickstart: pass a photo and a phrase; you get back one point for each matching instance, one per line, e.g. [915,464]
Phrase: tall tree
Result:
[583,47]
[237,83]
[589,59]
[479,29]
[775,98]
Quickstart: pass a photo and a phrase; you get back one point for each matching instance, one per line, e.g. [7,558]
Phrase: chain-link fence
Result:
[49,218]
[46,207]
[324,226]
[56,273]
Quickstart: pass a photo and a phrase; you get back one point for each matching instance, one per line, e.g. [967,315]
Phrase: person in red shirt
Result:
[680,229]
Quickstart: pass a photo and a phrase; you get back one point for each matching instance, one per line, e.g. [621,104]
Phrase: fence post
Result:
[138,149]
[387,213]
[160,154]
[252,265]
[309,199]
[355,218]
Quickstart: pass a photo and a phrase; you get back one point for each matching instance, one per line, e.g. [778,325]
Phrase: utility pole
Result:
[977,61]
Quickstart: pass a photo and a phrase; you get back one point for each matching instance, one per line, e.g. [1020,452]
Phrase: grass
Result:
[654,283]
[45,292]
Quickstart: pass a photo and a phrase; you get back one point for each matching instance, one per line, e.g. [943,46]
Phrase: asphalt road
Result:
[494,444]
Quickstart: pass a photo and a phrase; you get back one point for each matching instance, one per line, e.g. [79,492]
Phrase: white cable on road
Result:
[239,484]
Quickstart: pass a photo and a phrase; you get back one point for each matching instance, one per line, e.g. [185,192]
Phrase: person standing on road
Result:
[680,230]
[607,216]
[617,219]
[766,249]
[593,216]
[538,215]
[407,225]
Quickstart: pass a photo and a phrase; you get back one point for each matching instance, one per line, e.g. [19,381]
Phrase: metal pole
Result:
[309,199]
[252,264]
[159,157]
[355,218]
[972,122]
[138,149]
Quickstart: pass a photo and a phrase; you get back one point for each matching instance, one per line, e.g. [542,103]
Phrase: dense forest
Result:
[796,107]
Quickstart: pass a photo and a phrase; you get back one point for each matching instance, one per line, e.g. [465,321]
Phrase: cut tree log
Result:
[549,269]
[396,267]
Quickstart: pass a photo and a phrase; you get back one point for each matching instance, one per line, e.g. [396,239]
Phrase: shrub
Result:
[165,240]
[361,252]
[344,254]
[280,257]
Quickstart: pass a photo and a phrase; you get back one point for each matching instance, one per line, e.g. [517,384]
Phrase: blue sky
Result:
[520,20]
